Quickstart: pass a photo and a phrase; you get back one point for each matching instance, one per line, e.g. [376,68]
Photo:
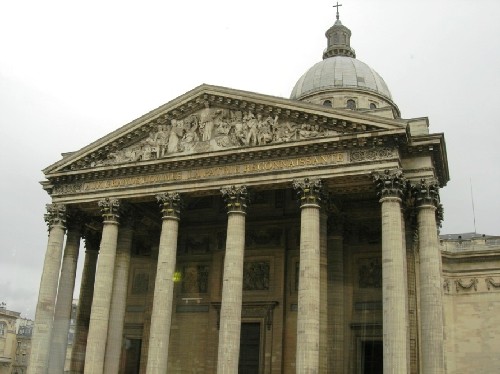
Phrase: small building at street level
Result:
[234,232]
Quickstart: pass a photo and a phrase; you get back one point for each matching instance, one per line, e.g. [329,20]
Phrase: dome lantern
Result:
[339,39]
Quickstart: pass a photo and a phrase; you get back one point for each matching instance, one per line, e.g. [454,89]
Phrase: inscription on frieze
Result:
[243,170]
[372,154]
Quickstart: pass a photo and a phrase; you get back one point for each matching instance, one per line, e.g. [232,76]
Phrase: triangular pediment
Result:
[211,119]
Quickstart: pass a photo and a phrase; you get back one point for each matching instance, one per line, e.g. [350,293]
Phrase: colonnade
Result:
[98,351]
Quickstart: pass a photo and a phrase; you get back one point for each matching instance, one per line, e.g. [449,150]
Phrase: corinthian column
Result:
[394,294]
[99,315]
[431,298]
[308,317]
[62,314]
[161,315]
[84,302]
[119,297]
[232,283]
[42,331]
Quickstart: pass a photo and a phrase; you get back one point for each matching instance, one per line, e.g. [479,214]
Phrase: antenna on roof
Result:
[473,210]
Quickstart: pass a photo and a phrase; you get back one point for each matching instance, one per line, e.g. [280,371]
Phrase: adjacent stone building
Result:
[471,283]
[7,338]
[229,231]
[24,328]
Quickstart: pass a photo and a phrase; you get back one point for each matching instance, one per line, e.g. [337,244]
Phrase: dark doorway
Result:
[372,357]
[132,356]
[249,349]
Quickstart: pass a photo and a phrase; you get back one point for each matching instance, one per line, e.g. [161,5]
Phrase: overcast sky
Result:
[73,71]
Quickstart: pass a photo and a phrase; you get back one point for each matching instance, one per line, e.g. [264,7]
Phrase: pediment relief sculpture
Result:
[213,129]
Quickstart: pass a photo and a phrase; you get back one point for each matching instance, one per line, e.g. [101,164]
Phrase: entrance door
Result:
[132,356]
[372,357]
[249,348]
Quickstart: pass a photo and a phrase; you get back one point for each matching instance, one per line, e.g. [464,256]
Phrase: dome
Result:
[341,81]
[340,72]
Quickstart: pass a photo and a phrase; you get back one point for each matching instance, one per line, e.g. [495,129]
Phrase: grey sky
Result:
[70,72]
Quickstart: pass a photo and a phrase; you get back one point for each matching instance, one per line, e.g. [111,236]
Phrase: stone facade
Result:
[15,341]
[229,231]
[8,341]
[471,284]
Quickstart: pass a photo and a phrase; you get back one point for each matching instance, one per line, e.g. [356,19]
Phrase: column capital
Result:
[391,183]
[170,204]
[426,193]
[309,191]
[236,198]
[110,209]
[56,215]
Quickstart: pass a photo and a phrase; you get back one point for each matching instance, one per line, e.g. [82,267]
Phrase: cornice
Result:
[470,256]
[434,145]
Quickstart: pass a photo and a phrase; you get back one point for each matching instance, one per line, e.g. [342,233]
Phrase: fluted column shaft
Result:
[309,294]
[84,305]
[118,299]
[161,316]
[99,315]
[62,314]
[431,297]
[232,282]
[394,293]
[42,331]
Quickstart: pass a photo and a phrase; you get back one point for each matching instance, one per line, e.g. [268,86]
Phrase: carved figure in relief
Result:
[148,148]
[264,132]
[190,137]
[206,123]
[213,129]
[176,133]
[161,140]
[237,132]
[251,128]
[305,131]
[284,132]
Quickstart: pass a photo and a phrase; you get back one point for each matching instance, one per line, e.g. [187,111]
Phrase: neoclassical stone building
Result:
[230,231]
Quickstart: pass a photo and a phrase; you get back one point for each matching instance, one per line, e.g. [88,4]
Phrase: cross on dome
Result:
[337,6]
